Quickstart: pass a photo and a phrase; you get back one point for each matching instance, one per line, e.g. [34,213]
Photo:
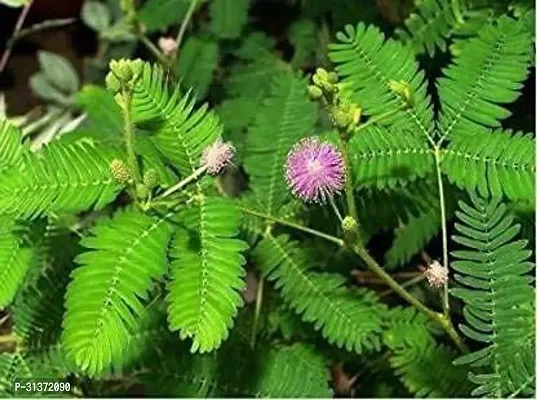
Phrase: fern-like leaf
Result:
[367,63]
[228,17]
[495,164]
[206,273]
[383,157]
[348,318]
[425,367]
[195,67]
[435,21]
[292,372]
[285,117]
[488,73]
[493,271]
[107,293]
[11,147]
[181,131]
[62,178]
[16,254]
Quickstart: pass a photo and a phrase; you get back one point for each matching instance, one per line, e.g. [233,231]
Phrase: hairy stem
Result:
[195,175]
[258,306]
[128,136]
[184,24]
[18,26]
[443,218]
[298,227]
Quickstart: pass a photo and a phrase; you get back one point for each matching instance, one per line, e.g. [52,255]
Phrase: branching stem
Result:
[349,187]
[298,227]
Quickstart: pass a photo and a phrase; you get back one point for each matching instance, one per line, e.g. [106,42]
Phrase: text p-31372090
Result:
[40,385]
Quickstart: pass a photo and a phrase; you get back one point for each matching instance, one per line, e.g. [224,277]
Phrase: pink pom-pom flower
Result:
[314,170]
[217,156]
[437,275]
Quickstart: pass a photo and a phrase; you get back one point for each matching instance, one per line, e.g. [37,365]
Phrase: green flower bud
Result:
[120,172]
[403,89]
[333,78]
[112,83]
[142,192]
[122,70]
[341,118]
[314,92]
[151,179]
[349,224]
[137,67]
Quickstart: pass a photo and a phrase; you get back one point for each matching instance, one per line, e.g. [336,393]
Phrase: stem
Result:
[258,305]
[185,22]
[53,23]
[410,282]
[443,218]
[128,135]
[313,232]
[195,175]
[349,192]
[18,26]
[333,204]
[375,119]
[441,319]
[155,51]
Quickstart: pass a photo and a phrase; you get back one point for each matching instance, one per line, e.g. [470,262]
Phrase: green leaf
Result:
[96,15]
[424,367]
[158,15]
[11,147]
[181,132]
[493,163]
[13,3]
[41,86]
[198,61]
[58,71]
[67,177]
[494,272]
[487,74]
[207,272]
[106,296]
[367,62]
[384,157]
[102,110]
[285,117]
[15,258]
[302,35]
[295,371]
[350,319]
[228,17]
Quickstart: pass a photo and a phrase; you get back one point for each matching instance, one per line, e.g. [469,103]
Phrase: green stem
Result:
[195,175]
[443,218]
[456,7]
[155,51]
[377,118]
[349,190]
[410,282]
[298,227]
[441,319]
[258,306]
[128,135]
[185,22]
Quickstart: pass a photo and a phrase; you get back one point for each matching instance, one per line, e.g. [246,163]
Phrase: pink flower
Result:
[437,275]
[314,170]
[217,156]
[167,45]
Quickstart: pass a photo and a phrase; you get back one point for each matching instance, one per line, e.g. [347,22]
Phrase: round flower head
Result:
[314,170]
[167,45]
[217,156]
[437,275]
